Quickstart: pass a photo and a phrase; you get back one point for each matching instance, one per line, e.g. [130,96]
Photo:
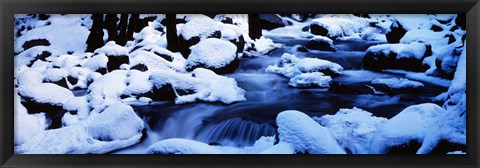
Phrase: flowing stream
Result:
[240,124]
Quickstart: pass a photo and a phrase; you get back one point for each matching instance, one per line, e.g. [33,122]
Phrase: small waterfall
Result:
[234,132]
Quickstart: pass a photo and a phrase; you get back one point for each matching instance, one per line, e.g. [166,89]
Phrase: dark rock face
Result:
[186,44]
[164,93]
[35,42]
[436,28]
[229,68]
[54,112]
[270,21]
[240,43]
[445,146]
[140,67]
[43,16]
[320,45]
[377,61]
[114,62]
[42,56]
[461,21]
[396,33]
[413,64]
[407,148]
[318,30]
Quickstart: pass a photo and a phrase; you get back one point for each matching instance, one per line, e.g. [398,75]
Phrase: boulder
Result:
[396,32]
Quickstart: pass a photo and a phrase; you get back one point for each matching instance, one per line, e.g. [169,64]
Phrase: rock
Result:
[318,30]
[186,44]
[320,43]
[436,28]
[271,21]
[406,148]
[397,56]
[461,21]
[116,54]
[214,54]
[140,67]
[396,33]
[35,42]
[445,146]
[378,61]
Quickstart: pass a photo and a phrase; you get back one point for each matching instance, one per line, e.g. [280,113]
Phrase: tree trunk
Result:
[122,35]
[111,25]
[134,25]
[254,30]
[172,38]
[95,38]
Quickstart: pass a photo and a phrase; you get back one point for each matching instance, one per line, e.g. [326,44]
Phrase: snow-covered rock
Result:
[305,135]
[215,54]
[422,126]
[45,94]
[116,54]
[291,66]
[29,76]
[69,77]
[115,128]
[97,63]
[352,128]
[259,47]
[107,89]
[202,84]
[155,57]
[320,43]
[310,79]
[27,125]
[334,26]
[396,85]
[397,56]
[181,146]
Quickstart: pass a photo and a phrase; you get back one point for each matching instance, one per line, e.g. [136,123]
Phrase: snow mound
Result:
[181,146]
[310,79]
[45,93]
[155,57]
[305,135]
[424,123]
[261,46]
[112,49]
[291,66]
[200,26]
[117,122]
[205,85]
[27,125]
[29,76]
[118,125]
[107,89]
[340,25]
[211,53]
[397,83]
[353,128]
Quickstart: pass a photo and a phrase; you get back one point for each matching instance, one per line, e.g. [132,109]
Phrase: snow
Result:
[26,57]
[414,49]
[262,46]
[66,61]
[47,93]
[212,53]
[27,125]
[112,49]
[78,105]
[138,82]
[291,66]
[397,83]
[199,25]
[341,25]
[107,89]
[150,36]
[60,37]
[305,135]
[386,49]
[181,146]
[118,122]
[155,62]
[96,62]
[207,86]
[425,123]
[420,76]
[29,76]
[353,128]
[310,79]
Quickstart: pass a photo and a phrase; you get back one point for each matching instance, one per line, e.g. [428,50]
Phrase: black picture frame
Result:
[9,7]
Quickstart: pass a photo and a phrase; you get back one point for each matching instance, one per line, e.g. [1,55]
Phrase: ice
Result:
[305,135]
[353,128]
[181,146]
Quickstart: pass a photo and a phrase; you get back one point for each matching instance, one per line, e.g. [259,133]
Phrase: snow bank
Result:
[353,128]
[310,79]
[115,128]
[305,135]
[181,146]
[397,83]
